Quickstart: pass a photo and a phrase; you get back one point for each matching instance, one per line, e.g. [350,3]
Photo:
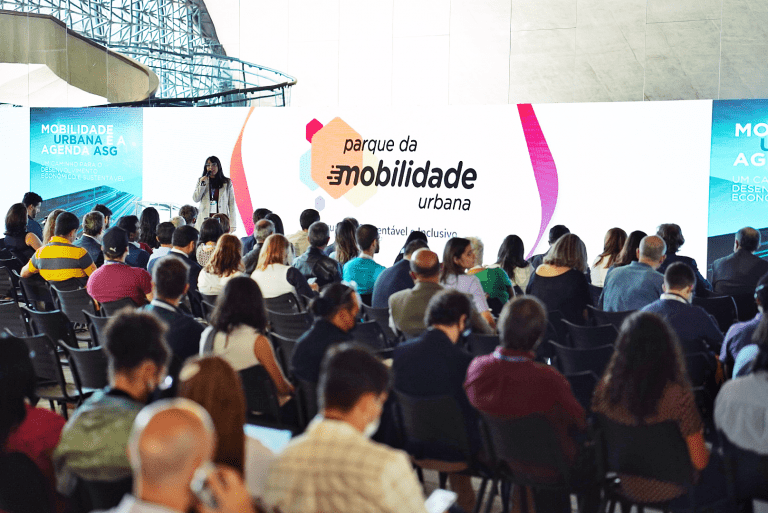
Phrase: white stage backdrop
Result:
[492,171]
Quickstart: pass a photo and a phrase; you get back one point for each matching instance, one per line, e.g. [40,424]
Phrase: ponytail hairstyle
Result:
[333,298]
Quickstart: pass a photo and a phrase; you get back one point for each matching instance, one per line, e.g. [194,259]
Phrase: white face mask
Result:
[372,427]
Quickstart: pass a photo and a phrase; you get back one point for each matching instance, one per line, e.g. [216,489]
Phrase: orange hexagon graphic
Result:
[332,169]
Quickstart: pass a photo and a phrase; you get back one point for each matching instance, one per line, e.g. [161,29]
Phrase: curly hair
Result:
[647,358]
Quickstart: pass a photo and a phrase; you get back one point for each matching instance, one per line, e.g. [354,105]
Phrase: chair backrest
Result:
[656,451]
[73,303]
[291,325]
[572,361]
[12,319]
[25,489]
[695,345]
[7,284]
[35,291]
[585,337]
[109,308]
[480,345]
[54,324]
[210,298]
[722,308]
[309,397]
[555,318]
[595,292]
[583,385]
[207,310]
[699,368]
[89,367]
[745,305]
[101,495]
[260,394]
[286,303]
[433,420]
[370,334]
[45,361]
[521,442]
[12,263]
[381,316]
[96,326]
[284,349]
[602,317]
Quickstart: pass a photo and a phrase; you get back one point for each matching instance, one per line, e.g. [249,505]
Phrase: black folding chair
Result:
[602,317]
[381,316]
[51,384]
[583,385]
[555,317]
[722,308]
[595,292]
[746,471]
[73,303]
[283,347]
[89,368]
[573,361]
[260,397]
[480,345]
[12,263]
[286,304]
[36,293]
[654,451]
[110,308]
[25,489]
[526,451]
[308,393]
[430,424]
[9,284]
[210,298]
[586,337]
[12,319]
[745,306]
[291,325]
[207,310]
[370,334]
[96,326]
[54,324]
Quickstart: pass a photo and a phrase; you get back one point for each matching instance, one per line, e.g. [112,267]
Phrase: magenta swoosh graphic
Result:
[239,181]
[544,169]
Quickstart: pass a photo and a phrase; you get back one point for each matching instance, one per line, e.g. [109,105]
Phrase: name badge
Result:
[214,207]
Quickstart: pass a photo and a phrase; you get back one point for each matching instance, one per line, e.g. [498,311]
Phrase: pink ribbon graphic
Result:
[240,182]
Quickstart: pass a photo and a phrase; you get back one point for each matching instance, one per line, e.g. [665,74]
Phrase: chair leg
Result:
[480,495]
[443,479]
[492,496]
[420,474]
[64,411]
[506,493]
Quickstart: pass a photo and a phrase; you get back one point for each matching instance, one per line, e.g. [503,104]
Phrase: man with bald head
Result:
[739,272]
[408,307]
[169,442]
[395,278]
[638,284]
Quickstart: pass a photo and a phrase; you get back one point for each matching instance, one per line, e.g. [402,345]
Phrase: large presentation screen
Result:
[483,171]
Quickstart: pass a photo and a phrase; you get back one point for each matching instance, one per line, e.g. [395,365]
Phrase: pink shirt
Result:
[115,280]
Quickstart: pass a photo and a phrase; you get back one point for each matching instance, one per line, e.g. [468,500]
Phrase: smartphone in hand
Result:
[440,500]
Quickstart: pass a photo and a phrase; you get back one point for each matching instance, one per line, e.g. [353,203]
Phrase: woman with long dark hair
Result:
[511,258]
[277,221]
[414,235]
[612,246]
[628,253]
[21,243]
[238,331]
[646,382]
[345,242]
[148,222]
[215,194]
[458,256]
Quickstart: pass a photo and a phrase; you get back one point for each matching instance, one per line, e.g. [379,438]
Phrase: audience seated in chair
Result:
[433,365]
[313,263]
[31,431]
[251,240]
[363,270]
[165,241]
[262,229]
[612,246]
[690,322]
[496,284]
[396,278]
[169,284]
[238,332]
[560,282]
[225,263]
[407,307]
[334,466]
[555,233]
[646,382]
[673,237]
[170,440]
[115,279]
[21,243]
[336,311]
[184,241]
[274,273]
[94,439]
[212,383]
[137,257]
[60,260]
[739,272]
[458,257]
[93,229]
[637,284]
[299,239]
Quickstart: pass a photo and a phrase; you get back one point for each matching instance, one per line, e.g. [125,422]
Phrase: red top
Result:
[37,437]
[523,387]
[113,281]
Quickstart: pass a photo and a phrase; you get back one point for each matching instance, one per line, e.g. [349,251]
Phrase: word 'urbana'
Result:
[399,176]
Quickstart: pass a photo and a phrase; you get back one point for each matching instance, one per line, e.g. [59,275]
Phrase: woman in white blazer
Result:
[215,194]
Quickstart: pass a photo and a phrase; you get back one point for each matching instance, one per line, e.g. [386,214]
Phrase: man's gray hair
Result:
[264,228]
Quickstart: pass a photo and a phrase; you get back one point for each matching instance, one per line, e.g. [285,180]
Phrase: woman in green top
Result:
[496,284]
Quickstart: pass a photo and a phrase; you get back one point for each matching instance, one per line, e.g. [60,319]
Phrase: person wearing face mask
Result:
[334,466]
[93,442]
[215,194]
[434,365]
